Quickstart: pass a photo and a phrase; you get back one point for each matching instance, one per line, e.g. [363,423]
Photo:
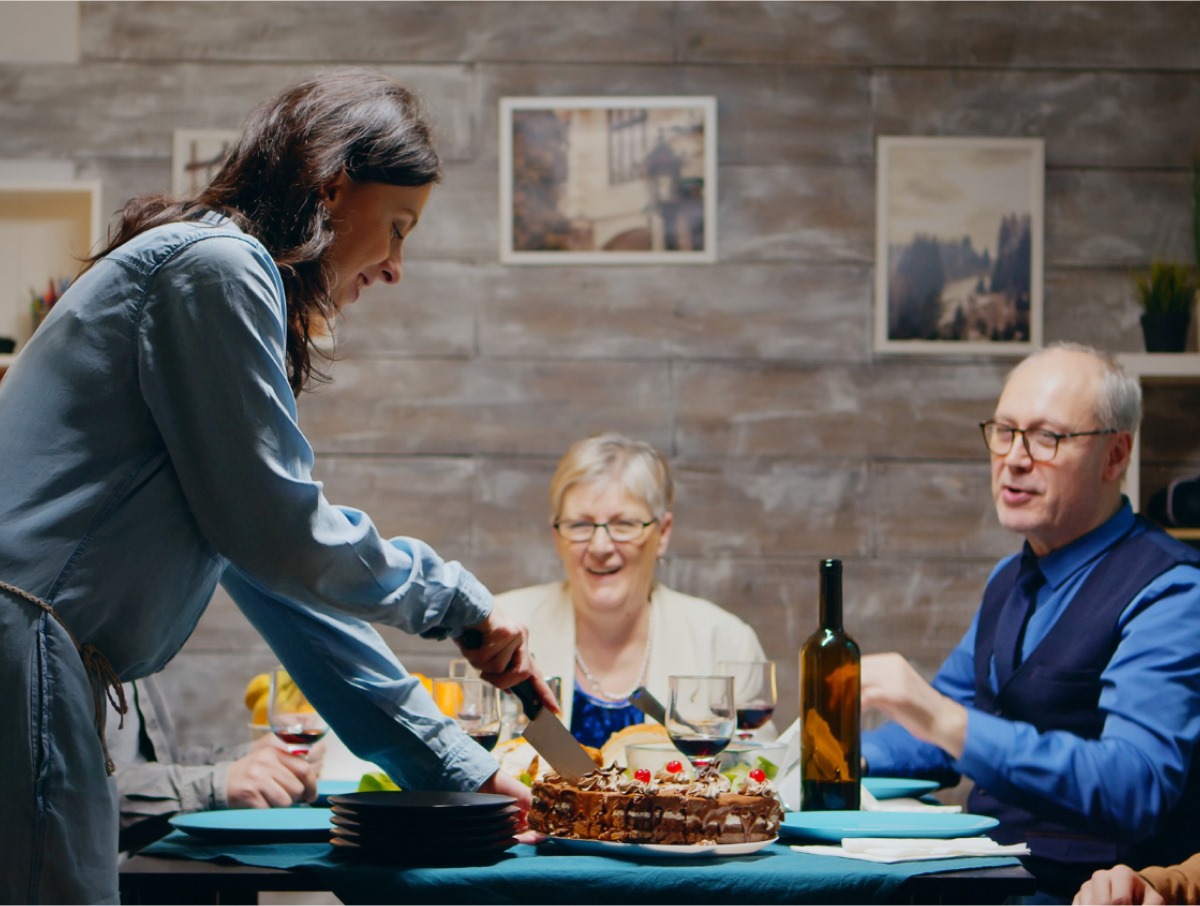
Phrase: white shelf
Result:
[1162,364]
[1154,367]
[46,229]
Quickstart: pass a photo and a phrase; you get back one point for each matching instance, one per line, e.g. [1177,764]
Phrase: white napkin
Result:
[869,803]
[889,849]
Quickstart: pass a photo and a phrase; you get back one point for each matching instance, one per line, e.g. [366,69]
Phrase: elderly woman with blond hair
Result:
[610,626]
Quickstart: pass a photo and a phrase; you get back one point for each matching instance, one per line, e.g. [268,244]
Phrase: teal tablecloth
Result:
[528,874]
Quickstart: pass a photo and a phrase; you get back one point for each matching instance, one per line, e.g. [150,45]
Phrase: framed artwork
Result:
[196,156]
[608,180]
[958,245]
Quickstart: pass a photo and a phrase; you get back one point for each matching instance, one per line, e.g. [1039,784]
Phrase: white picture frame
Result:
[608,180]
[196,155]
[958,245]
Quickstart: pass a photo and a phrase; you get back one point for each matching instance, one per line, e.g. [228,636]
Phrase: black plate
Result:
[419,829]
[415,801]
[424,822]
[488,840]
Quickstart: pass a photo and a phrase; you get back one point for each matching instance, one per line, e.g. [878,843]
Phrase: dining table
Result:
[181,868]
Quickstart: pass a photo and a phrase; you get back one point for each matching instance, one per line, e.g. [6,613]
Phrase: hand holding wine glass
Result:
[473,704]
[292,718]
[755,691]
[700,716]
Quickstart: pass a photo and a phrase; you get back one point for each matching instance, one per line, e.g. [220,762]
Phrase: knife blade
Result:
[648,705]
[550,736]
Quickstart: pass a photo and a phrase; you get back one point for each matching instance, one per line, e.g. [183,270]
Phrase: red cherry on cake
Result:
[674,766]
[642,774]
[758,775]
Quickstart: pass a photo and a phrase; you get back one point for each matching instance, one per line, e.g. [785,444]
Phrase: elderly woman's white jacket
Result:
[688,635]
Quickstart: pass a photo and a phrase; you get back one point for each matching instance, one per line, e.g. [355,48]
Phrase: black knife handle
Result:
[648,705]
[530,700]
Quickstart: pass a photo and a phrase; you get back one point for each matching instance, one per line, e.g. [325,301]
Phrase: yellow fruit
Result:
[448,697]
[256,690]
[425,681]
[258,714]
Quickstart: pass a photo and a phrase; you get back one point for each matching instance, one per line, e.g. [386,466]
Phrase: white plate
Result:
[657,850]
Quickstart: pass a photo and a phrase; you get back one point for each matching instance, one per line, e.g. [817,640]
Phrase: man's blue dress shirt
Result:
[1134,773]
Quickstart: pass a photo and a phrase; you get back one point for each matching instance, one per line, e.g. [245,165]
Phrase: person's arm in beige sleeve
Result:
[1150,887]
[1176,883]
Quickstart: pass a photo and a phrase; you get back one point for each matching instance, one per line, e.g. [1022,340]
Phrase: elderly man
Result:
[1073,700]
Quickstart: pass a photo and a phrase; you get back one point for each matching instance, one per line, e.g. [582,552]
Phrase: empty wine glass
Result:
[700,716]
[473,704]
[291,716]
[755,692]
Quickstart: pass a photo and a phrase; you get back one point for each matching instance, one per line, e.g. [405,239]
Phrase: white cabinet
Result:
[46,229]
[1162,367]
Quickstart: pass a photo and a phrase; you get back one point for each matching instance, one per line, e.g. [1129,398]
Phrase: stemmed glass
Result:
[473,704]
[755,691]
[700,716]
[292,718]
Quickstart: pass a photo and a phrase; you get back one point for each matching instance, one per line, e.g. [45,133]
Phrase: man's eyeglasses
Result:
[1040,444]
[620,530]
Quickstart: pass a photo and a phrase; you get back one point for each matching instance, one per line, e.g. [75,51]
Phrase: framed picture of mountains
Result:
[958,245]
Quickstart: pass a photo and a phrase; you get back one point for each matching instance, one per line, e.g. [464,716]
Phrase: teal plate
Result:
[833,827]
[258,825]
[898,787]
[327,788]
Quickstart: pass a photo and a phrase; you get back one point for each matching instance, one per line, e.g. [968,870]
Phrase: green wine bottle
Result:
[830,706]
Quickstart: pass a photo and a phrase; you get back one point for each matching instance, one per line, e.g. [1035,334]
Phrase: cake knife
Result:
[648,705]
[550,736]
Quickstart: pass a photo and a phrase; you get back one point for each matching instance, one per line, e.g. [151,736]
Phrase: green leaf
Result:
[768,767]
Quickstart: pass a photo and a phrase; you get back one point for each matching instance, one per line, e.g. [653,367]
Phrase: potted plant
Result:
[1166,292]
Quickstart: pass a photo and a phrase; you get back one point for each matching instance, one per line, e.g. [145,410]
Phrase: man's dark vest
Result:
[1058,688]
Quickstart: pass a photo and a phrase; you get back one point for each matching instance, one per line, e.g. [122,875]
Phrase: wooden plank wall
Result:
[791,439]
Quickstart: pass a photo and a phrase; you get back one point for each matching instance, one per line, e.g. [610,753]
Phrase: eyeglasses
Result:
[619,530]
[1040,444]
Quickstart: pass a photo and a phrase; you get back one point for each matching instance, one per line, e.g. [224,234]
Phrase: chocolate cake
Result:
[667,808]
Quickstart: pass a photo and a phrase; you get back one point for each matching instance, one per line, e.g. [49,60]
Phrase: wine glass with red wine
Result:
[473,704]
[700,717]
[291,716]
[755,691]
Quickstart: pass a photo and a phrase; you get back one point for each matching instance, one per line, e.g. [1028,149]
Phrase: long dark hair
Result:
[269,185]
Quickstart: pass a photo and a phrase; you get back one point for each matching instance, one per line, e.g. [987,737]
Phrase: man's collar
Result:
[1059,565]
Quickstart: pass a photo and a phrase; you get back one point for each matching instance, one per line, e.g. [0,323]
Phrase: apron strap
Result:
[103,679]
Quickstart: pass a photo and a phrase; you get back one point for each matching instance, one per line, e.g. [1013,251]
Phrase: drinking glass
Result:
[461,667]
[291,716]
[755,692]
[700,716]
[473,704]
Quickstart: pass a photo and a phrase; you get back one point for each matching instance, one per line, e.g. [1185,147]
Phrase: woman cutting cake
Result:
[610,624]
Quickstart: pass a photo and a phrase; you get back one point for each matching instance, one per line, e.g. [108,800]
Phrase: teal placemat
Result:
[528,874]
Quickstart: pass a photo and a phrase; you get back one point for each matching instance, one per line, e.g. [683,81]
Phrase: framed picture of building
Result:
[608,180]
[196,156]
[958,245]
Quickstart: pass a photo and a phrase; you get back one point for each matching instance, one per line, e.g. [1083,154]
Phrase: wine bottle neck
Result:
[831,599]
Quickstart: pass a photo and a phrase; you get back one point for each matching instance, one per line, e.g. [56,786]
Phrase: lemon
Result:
[256,691]
[376,780]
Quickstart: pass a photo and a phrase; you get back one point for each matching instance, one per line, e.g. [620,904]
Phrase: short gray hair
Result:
[635,464]
[1119,403]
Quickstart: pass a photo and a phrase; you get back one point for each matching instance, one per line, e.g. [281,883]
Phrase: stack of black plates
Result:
[431,828]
